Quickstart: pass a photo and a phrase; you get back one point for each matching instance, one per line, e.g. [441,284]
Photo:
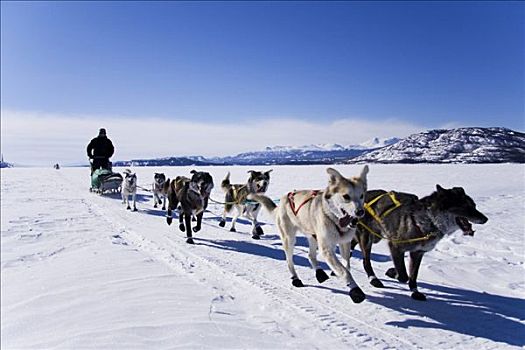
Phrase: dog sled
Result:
[105,181]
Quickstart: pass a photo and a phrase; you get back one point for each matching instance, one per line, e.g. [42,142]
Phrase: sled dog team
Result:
[343,214]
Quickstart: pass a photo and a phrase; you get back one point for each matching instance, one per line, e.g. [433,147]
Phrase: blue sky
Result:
[420,64]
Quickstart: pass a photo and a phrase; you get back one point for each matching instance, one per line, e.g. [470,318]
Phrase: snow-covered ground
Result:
[79,271]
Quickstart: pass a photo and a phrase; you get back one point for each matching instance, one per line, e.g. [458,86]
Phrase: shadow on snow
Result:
[478,314]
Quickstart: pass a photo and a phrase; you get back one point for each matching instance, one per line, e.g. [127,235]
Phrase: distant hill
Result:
[168,161]
[462,145]
[307,154]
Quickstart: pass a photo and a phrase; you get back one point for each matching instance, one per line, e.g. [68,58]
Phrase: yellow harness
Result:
[379,218]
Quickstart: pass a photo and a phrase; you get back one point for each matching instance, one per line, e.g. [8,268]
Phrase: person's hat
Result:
[102,132]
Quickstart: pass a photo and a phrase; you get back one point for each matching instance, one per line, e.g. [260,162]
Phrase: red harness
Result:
[292,203]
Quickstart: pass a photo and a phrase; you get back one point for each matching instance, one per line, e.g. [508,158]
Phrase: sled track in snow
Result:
[347,329]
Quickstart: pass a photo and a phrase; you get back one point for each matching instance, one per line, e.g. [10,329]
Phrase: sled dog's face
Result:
[346,196]
[259,181]
[130,179]
[159,179]
[457,203]
[203,182]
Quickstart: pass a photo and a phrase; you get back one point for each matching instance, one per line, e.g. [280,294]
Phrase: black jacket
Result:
[100,147]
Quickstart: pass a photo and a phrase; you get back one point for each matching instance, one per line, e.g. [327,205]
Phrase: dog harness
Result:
[379,218]
[292,203]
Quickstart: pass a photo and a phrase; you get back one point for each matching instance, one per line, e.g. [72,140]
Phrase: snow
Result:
[79,271]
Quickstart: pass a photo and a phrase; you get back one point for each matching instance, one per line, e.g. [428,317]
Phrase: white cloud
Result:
[33,138]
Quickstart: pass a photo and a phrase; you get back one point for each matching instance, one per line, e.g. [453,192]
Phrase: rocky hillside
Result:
[462,145]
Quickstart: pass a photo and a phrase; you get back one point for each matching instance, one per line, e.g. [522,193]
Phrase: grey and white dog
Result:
[129,188]
[327,218]
[412,225]
[160,190]
[237,196]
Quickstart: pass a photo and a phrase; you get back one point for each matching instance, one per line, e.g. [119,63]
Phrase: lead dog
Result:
[237,195]
[129,188]
[160,190]
[412,225]
[327,218]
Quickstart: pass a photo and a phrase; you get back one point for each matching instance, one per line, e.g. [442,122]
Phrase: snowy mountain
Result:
[462,145]
[306,154]
[168,161]
[378,143]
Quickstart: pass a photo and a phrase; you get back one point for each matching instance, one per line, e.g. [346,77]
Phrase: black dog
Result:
[190,197]
[205,183]
[412,225]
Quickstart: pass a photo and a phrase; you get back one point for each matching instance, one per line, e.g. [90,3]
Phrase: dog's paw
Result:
[259,231]
[418,296]
[155,205]
[233,229]
[357,295]
[163,208]
[402,279]
[255,236]
[189,240]
[196,229]
[296,282]
[182,227]
[376,283]
[135,209]
[222,223]
[128,207]
[321,275]
[391,272]
[169,220]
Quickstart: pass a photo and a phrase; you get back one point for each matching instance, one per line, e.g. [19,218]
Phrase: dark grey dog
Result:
[412,225]
[204,182]
[186,193]
[190,197]
[160,190]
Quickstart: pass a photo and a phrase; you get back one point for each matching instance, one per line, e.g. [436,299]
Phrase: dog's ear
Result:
[335,176]
[268,172]
[364,172]
[193,171]
[439,188]
[459,190]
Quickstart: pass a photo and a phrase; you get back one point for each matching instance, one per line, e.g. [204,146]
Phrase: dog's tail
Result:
[267,203]
[225,184]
